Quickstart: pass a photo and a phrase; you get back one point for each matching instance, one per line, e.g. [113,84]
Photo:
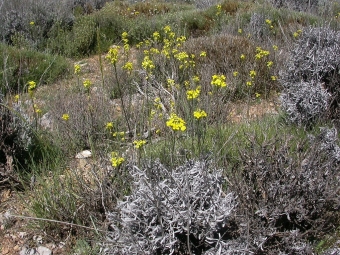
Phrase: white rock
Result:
[84,154]
[44,251]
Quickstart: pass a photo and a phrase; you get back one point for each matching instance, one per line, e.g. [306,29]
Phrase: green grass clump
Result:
[18,66]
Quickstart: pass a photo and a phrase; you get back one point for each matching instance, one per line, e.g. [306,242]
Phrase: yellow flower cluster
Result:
[242,57]
[87,84]
[31,86]
[269,23]
[128,66]
[109,126]
[77,69]
[148,64]
[260,53]
[198,114]
[219,9]
[139,143]
[297,33]
[176,123]
[65,117]
[252,74]
[156,36]
[270,64]
[192,94]
[112,55]
[125,41]
[203,54]
[219,80]
[116,160]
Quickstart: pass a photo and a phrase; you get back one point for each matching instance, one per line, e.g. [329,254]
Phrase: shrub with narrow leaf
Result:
[176,211]
[311,77]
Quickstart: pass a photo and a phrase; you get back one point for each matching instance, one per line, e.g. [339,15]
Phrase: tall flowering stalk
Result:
[112,57]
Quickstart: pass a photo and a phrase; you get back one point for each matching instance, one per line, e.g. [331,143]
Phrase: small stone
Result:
[44,251]
[84,154]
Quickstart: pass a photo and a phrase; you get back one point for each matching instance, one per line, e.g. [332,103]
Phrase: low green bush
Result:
[18,66]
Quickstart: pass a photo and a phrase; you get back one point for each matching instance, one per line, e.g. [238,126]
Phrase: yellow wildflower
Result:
[242,57]
[112,55]
[77,69]
[252,74]
[257,95]
[167,29]
[87,84]
[203,54]
[239,31]
[109,125]
[65,117]
[218,80]
[273,78]
[128,66]
[31,86]
[235,73]
[192,94]
[268,22]
[116,160]
[275,47]
[139,143]
[147,64]
[156,36]
[270,64]
[176,123]
[249,83]
[16,98]
[32,23]
[200,114]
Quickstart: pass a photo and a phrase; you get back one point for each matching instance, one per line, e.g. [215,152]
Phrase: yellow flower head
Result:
[16,98]
[156,36]
[128,66]
[31,86]
[139,143]
[125,35]
[167,29]
[116,160]
[270,64]
[65,117]
[77,68]
[203,54]
[249,83]
[252,74]
[242,57]
[198,114]
[239,31]
[218,80]
[192,94]
[235,73]
[273,78]
[112,55]
[109,125]
[87,84]
[257,95]
[176,123]
[147,64]
[32,23]
[275,47]
[268,22]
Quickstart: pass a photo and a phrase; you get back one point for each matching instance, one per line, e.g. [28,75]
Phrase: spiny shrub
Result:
[180,211]
[311,77]
[288,192]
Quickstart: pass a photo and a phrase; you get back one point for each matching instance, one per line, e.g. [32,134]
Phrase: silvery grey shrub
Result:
[172,212]
[311,77]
